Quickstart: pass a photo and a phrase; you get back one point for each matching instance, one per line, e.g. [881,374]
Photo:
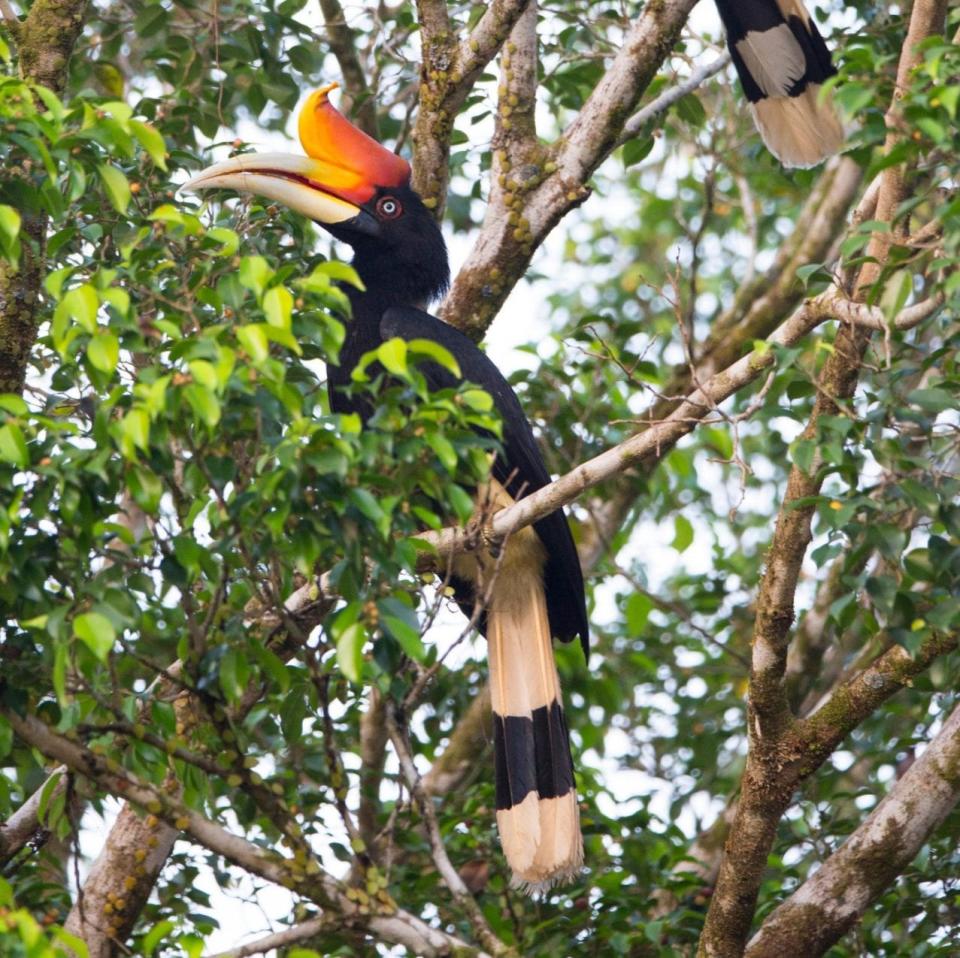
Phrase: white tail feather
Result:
[800,131]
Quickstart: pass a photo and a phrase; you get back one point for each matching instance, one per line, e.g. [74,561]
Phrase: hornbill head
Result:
[357,190]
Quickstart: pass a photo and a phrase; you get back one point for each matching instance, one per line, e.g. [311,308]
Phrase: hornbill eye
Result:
[389,208]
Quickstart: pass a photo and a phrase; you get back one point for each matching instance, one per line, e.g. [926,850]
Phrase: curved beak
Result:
[312,187]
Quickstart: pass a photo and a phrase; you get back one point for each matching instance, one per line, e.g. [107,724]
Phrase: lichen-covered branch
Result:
[448,70]
[138,846]
[765,789]
[834,898]
[503,251]
[45,41]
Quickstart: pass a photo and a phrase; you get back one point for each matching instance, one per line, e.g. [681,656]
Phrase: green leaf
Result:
[116,185]
[81,304]
[135,425]
[444,450]
[341,272]
[933,399]
[400,621]
[204,403]
[46,793]
[636,150]
[393,355]
[103,351]
[278,305]
[96,632]
[477,399]
[155,935]
[151,140]
[13,447]
[638,609]
[350,651]
[9,226]
[439,354]
[229,241]
[6,737]
[253,338]
[254,273]
[683,533]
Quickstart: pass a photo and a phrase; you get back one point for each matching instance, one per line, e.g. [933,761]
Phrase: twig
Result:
[278,939]
[343,44]
[448,873]
[661,103]
[10,19]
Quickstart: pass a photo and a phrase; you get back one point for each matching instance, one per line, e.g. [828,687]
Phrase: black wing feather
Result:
[521,469]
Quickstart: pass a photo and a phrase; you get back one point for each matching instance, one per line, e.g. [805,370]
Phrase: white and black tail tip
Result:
[782,61]
[537,813]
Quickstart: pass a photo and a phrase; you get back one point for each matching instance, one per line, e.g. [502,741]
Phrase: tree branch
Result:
[279,939]
[395,925]
[504,252]
[45,40]
[11,21]
[829,903]
[358,99]
[448,873]
[662,102]
[138,847]
[765,790]
[448,71]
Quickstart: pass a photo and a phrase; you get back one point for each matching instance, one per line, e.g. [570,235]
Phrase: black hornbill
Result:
[360,192]
[781,60]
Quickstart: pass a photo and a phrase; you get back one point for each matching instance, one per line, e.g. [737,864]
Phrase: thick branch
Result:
[830,902]
[46,40]
[24,824]
[448,71]
[766,791]
[358,99]
[503,252]
[137,847]
[398,927]
[11,22]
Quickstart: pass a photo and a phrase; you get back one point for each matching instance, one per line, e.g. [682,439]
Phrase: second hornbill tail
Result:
[782,61]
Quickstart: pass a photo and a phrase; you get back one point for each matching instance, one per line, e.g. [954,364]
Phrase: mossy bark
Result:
[46,40]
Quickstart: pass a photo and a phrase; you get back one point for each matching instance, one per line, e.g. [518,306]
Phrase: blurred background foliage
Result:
[178,378]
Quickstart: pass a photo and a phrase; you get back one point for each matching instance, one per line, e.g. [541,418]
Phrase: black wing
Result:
[521,469]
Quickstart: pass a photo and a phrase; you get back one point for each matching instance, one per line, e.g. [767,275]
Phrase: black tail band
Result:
[532,755]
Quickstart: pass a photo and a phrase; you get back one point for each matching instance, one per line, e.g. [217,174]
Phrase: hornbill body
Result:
[360,193]
[782,60]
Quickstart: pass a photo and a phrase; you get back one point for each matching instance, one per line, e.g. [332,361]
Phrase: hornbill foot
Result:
[492,541]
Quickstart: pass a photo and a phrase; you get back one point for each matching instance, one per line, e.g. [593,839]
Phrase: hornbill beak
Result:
[342,171]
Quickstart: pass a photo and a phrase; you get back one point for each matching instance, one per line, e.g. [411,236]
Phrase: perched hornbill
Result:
[360,192]
[782,60]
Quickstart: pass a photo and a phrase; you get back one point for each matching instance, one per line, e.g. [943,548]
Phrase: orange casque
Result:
[353,164]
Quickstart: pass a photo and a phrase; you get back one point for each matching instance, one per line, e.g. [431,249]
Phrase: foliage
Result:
[173,474]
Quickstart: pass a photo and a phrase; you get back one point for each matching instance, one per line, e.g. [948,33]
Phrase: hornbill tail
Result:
[782,61]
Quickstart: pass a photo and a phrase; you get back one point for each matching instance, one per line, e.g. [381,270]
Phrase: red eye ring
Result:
[389,207]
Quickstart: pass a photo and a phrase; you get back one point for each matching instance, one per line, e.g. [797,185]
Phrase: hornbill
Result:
[360,192]
[781,60]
